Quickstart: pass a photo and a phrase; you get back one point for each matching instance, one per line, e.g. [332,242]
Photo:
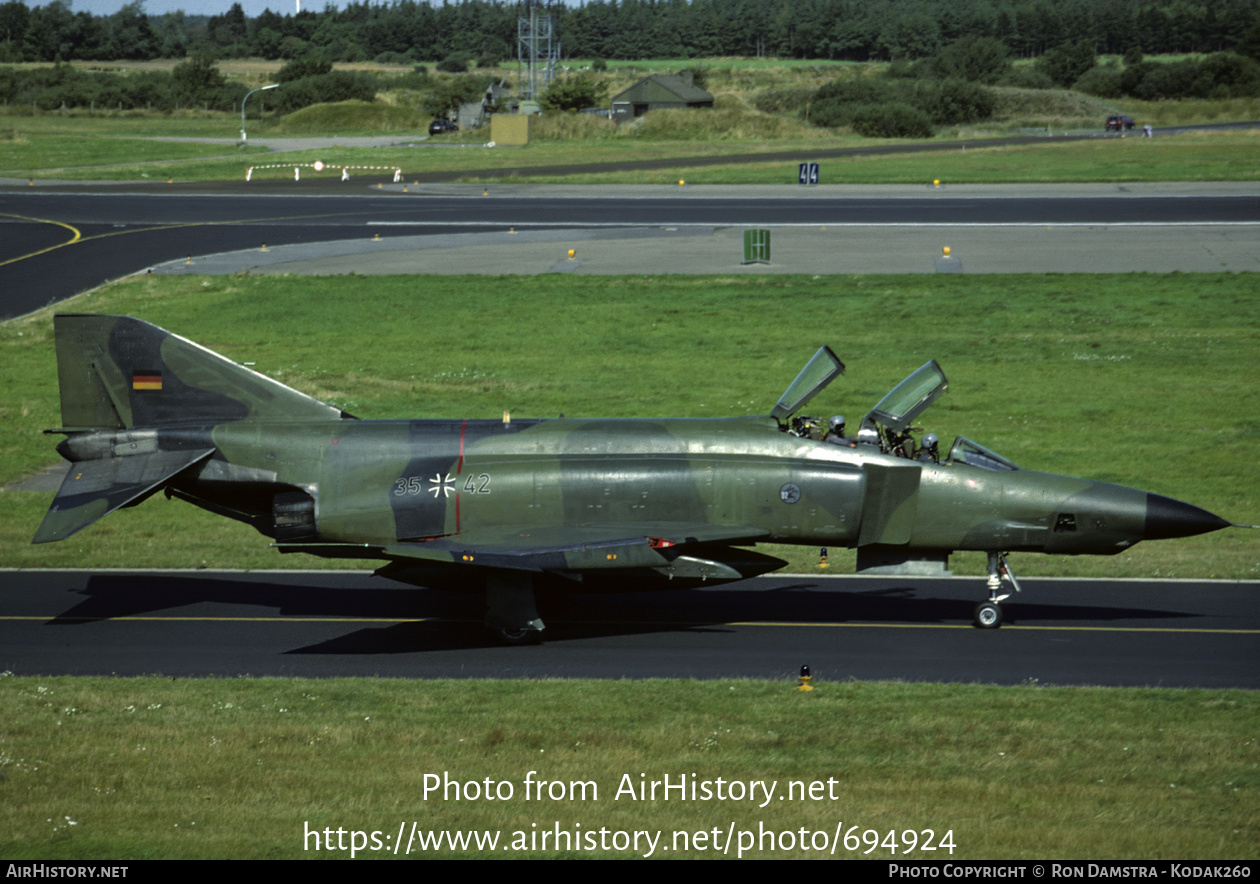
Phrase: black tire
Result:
[518,636]
[988,615]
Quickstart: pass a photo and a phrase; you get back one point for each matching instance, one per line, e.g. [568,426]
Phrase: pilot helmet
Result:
[837,424]
[868,436]
[930,440]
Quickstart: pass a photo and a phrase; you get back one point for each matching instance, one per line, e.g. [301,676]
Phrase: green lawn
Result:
[54,148]
[1214,157]
[121,769]
[106,156]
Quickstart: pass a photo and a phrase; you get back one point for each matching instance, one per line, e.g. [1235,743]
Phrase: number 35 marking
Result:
[415,484]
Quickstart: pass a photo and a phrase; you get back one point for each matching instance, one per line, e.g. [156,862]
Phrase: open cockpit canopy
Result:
[910,398]
[887,426]
[820,371]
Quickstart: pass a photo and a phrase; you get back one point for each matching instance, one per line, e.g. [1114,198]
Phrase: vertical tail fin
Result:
[137,403]
[117,372]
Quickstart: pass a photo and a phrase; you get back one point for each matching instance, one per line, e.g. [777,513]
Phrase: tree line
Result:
[907,99]
[409,31]
[197,83]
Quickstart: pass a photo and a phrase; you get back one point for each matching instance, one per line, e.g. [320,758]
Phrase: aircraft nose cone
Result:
[1166,517]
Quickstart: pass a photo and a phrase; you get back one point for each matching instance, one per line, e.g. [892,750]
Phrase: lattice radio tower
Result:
[537,49]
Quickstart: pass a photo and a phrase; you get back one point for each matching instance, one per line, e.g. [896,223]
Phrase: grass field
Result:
[1146,381]
[21,155]
[1207,157]
[1225,156]
[240,769]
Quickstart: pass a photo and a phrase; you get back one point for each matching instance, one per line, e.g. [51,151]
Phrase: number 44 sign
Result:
[808,173]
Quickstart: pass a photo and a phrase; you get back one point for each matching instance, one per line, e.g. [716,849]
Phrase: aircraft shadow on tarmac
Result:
[445,620]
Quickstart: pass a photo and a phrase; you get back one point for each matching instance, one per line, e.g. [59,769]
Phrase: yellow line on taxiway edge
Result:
[77,236]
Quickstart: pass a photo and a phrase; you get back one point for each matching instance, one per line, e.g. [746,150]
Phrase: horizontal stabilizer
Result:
[95,488]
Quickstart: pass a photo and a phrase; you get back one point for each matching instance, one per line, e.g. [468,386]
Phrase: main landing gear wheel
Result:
[988,615]
[518,635]
[513,617]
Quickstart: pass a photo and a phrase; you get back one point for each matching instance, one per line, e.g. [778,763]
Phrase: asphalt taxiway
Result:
[346,623]
[61,238]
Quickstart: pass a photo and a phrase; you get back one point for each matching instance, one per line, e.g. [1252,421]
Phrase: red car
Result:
[1118,123]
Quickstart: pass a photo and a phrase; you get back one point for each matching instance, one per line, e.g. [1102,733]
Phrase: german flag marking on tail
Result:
[146,380]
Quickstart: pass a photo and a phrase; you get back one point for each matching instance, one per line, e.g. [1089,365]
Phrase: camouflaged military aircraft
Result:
[515,506]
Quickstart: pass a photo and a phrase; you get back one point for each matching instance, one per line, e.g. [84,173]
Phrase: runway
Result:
[326,624]
[60,240]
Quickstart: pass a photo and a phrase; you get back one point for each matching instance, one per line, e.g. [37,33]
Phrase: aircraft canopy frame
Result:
[970,452]
[821,370]
[910,398]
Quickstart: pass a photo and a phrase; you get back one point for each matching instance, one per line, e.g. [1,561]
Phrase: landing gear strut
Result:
[513,616]
[989,614]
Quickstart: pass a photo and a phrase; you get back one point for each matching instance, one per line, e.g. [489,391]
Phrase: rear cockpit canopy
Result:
[910,398]
[820,371]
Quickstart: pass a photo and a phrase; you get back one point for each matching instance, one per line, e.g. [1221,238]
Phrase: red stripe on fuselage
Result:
[460,466]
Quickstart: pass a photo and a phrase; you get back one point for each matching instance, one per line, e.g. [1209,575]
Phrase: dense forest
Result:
[485,30]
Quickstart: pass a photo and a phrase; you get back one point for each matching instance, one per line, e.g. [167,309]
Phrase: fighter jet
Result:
[515,507]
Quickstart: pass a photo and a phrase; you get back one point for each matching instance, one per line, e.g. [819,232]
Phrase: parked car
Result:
[1118,123]
[437,127]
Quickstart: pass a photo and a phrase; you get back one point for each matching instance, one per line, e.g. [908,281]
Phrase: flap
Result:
[561,548]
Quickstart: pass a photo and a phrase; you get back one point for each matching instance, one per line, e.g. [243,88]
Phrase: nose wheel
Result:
[988,615]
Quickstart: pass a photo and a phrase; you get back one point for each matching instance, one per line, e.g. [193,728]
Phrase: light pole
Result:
[245,99]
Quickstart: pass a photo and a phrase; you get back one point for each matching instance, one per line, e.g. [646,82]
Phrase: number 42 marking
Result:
[415,485]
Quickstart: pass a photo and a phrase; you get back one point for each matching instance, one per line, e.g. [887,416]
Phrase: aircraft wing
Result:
[95,488]
[681,550]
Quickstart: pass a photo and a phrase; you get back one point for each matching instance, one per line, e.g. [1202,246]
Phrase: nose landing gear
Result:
[988,615]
